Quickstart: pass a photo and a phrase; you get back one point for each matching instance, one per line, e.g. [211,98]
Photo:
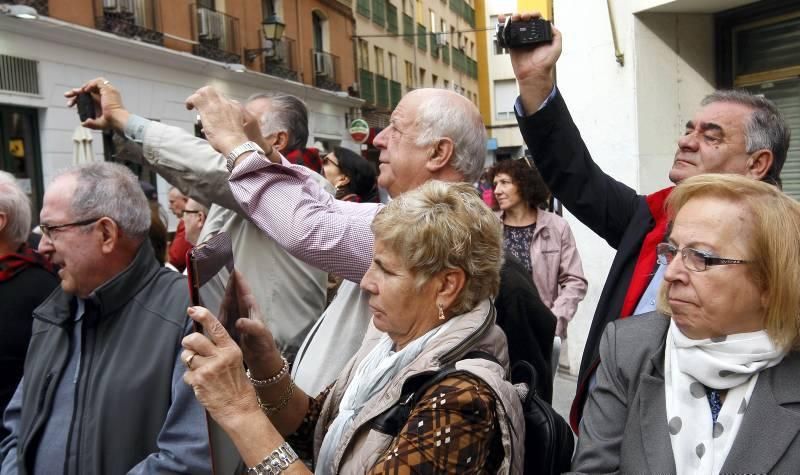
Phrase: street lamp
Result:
[272,30]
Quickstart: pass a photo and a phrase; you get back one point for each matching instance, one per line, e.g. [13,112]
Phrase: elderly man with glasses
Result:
[102,390]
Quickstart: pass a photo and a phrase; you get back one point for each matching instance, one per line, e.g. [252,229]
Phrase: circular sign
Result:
[359,130]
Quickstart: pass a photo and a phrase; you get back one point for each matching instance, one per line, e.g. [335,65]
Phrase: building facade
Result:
[158,52]
[402,45]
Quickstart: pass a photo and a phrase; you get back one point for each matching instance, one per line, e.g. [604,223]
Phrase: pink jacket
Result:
[557,268]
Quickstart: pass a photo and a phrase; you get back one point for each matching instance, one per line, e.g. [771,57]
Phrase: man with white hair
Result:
[433,134]
[26,279]
[102,390]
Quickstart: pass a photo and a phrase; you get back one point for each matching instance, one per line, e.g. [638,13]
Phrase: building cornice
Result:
[91,40]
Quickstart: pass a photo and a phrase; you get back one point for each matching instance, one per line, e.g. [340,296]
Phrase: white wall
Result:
[629,116]
[154,82]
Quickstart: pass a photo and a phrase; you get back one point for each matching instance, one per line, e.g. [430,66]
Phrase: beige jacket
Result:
[361,447]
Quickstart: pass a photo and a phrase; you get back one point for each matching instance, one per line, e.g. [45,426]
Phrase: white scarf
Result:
[374,372]
[730,363]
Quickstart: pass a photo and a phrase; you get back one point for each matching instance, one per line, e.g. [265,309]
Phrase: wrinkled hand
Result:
[107,102]
[261,354]
[223,119]
[215,370]
[534,67]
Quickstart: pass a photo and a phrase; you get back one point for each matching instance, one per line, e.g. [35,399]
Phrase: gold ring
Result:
[189,360]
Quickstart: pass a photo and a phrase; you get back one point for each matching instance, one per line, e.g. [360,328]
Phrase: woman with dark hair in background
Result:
[541,240]
[353,176]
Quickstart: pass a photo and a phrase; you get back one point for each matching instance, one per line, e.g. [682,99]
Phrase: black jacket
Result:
[527,322]
[18,297]
[133,325]
[611,209]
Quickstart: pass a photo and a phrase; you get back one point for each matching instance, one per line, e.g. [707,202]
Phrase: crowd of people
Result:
[350,301]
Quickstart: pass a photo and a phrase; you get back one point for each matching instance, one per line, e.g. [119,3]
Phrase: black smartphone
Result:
[86,108]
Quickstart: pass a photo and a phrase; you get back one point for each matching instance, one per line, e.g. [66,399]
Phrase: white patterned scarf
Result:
[374,372]
[732,363]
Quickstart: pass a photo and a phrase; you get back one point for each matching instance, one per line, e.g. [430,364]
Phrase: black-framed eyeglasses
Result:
[47,229]
[191,211]
[694,260]
[328,159]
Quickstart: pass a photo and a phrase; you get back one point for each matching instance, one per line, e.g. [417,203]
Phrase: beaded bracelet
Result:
[269,381]
[270,409]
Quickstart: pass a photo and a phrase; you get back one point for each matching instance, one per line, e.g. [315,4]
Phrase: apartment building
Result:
[402,45]
[158,52]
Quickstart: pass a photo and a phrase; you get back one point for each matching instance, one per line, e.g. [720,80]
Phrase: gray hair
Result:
[17,208]
[446,116]
[287,113]
[112,190]
[766,129]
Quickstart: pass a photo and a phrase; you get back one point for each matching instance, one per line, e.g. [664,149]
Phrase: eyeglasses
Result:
[47,229]
[694,260]
[191,211]
[526,161]
[328,159]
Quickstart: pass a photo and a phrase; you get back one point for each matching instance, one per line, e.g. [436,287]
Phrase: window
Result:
[393,67]
[420,13]
[363,54]
[206,4]
[320,29]
[442,26]
[446,84]
[422,77]
[505,94]
[379,61]
[271,8]
[409,74]
[434,80]
[433,21]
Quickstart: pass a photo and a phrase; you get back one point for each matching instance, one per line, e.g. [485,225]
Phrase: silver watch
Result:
[245,147]
[276,462]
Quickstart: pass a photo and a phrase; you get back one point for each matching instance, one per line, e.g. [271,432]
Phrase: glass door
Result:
[20,152]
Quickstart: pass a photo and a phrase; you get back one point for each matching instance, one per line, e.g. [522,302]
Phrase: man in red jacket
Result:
[179,244]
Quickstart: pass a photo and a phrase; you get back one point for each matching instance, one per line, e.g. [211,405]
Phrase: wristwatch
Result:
[276,462]
[245,147]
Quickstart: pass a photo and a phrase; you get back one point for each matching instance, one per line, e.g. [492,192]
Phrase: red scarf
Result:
[13,264]
[643,271]
[308,157]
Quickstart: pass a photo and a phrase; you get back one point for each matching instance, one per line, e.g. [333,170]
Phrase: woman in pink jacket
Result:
[541,240]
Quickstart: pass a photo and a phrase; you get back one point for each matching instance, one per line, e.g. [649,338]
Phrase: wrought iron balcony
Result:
[42,6]
[282,62]
[326,70]
[217,35]
[137,19]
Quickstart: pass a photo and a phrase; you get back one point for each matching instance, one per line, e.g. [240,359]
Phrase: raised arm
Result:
[597,200]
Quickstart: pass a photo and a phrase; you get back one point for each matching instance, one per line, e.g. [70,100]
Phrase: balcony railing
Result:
[283,63]
[362,7]
[422,38]
[326,70]
[381,91]
[395,92]
[137,19]
[408,29]
[217,35]
[391,18]
[446,54]
[42,6]
[366,85]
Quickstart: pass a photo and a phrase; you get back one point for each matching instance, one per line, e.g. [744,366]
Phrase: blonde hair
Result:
[774,247]
[445,226]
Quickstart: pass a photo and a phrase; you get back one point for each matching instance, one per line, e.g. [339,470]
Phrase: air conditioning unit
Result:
[209,24]
[118,5]
[441,40]
[322,64]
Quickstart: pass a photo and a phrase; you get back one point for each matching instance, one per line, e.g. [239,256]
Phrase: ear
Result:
[3,220]
[343,180]
[281,141]
[109,235]
[202,218]
[759,163]
[451,283]
[441,155]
